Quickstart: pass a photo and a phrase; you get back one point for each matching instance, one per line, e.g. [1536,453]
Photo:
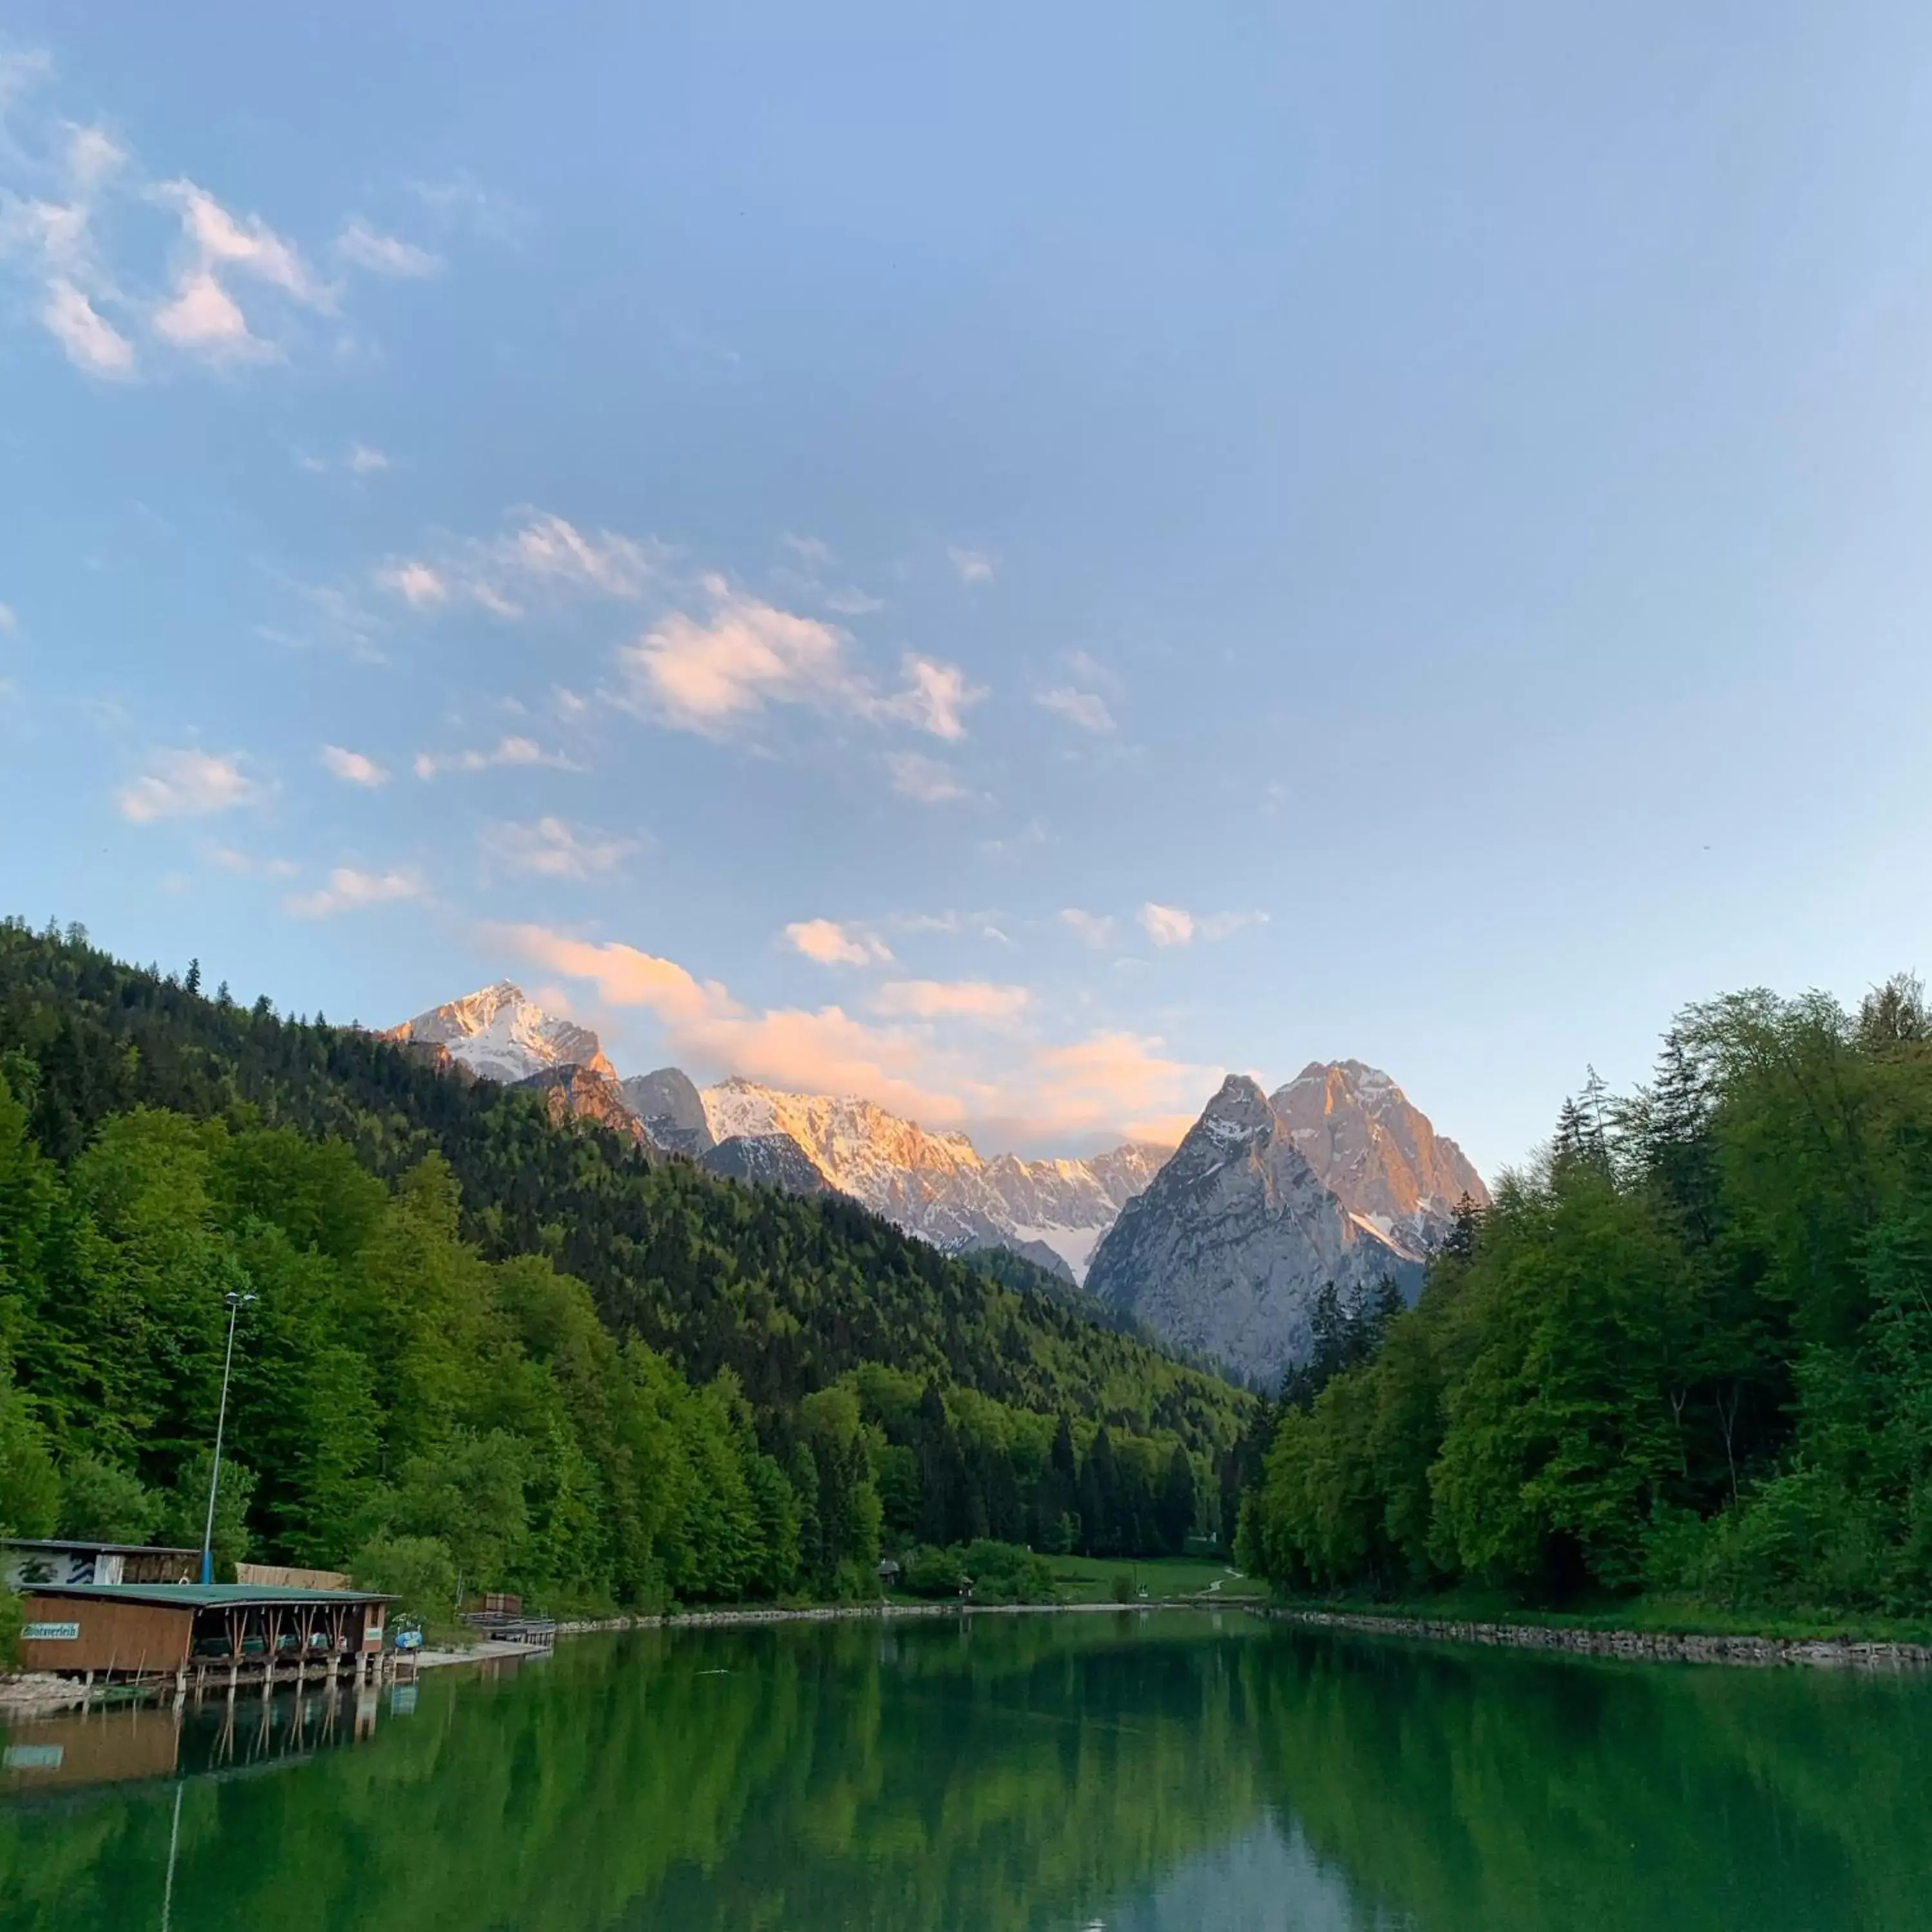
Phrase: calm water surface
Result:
[1163,1773]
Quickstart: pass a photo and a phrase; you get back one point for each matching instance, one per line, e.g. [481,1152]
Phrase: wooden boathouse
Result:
[223,1632]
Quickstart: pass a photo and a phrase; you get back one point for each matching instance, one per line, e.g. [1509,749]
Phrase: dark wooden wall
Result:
[114,1635]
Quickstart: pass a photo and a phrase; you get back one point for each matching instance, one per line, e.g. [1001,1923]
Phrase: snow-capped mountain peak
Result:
[499,1033]
[936,1184]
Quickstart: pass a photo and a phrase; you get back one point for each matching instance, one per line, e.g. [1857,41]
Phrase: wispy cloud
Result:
[507,751]
[541,555]
[936,698]
[832,944]
[202,315]
[458,202]
[1086,709]
[49,231]
[554,848]
[972,566]
[1171,925]
[1167,925]
[714,673]
[8,621]
[418,586]
[930,781]
[352,767]
[90,341]
[806,574]
[359,459]
[349,890]
[363,246]
[334,620]
[976,1000]
[186,784]
[1225,925]
[60,179]
[229,859]
[1093,928]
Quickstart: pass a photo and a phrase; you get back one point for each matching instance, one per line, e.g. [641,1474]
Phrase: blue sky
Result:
[1008,559]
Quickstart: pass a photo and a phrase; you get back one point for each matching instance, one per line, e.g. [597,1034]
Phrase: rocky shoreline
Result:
[1646,1646]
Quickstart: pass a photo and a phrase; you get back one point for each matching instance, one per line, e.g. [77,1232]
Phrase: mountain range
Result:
[1219,1245]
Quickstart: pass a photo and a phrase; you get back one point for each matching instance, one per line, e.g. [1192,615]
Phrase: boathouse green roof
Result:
[201,1596]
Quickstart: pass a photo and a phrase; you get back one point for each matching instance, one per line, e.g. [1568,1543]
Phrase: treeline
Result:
[1689,1352]
[443,1417]
[789,1295]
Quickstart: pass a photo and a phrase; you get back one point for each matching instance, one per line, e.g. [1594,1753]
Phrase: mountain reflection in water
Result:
[1136,1772]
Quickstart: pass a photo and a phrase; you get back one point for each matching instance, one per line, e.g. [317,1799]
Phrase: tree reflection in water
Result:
[1145,1773]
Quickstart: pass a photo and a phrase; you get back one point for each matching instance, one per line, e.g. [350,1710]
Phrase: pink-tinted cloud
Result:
[540,559]
[935,700]
[832,944]
[978,1000]
[352,767]
[508,750]
[944,1053]
[708,675]
[349,890]
[187,785]
[716,673]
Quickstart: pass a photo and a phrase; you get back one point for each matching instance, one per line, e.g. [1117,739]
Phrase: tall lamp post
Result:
[236,1302]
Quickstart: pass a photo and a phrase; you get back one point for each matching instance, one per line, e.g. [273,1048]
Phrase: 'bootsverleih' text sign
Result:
[48,1632]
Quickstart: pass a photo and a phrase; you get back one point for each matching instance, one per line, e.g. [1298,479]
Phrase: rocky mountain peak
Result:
[1335,1178]
[671,1108]
[1376,1151]
[498,1034]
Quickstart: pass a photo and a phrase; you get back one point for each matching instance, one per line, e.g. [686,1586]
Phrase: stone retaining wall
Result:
[1654,1646]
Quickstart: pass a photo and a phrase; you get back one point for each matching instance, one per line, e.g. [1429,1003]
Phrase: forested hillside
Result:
[486,1349]
[1689,1352]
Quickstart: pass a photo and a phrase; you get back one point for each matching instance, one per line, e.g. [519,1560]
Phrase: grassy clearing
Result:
[1095,1579]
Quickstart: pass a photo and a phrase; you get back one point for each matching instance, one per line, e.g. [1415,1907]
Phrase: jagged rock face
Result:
[670,1108]
[936,1185]
[765,1160]
[1377,1153]
[498,1034]
[582,1094]
[1226,1251]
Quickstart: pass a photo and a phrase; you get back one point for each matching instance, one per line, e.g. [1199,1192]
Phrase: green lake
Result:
[1138,1772]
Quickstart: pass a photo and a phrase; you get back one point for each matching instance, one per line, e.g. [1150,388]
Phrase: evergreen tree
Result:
[1176,1507]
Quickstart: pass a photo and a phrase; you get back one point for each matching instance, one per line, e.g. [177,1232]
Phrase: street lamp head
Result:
[234,1300]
